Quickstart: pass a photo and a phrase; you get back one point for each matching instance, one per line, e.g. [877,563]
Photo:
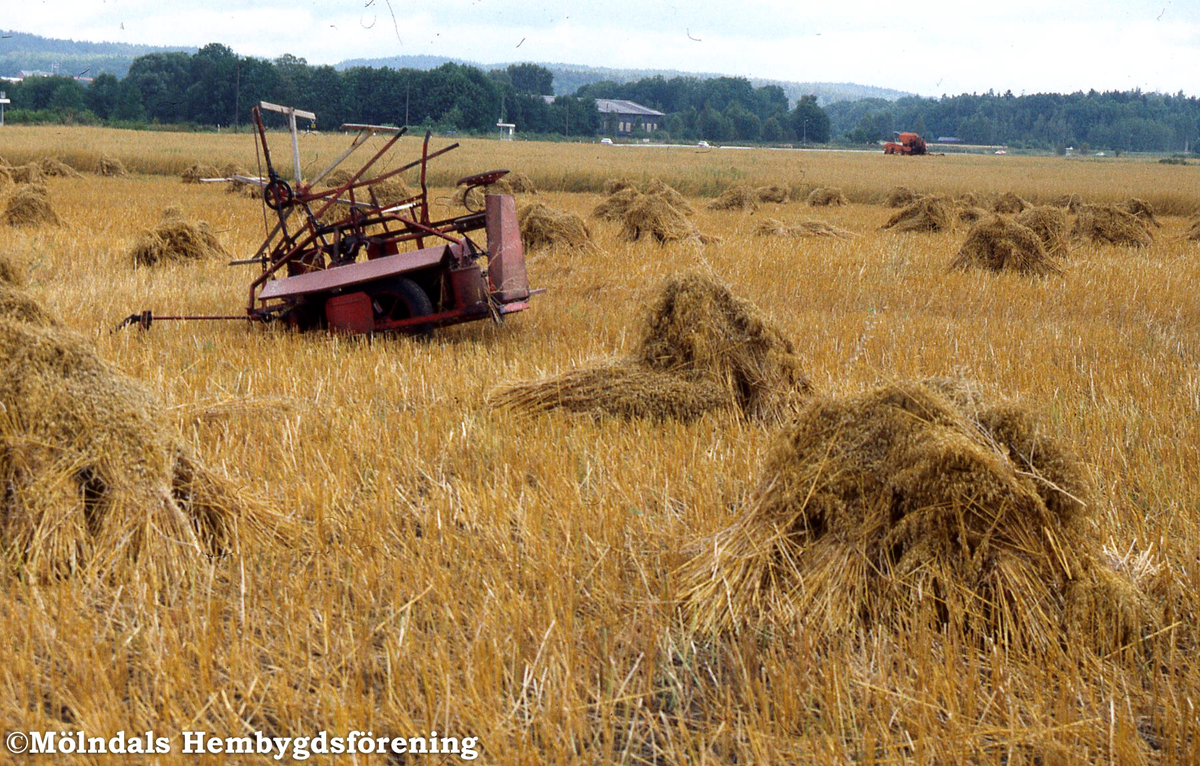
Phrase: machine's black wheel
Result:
[401,298]
[277,194]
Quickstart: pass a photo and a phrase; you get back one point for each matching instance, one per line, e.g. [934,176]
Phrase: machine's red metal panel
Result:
[355,273]
[350,313]
[506,257]
[469,286]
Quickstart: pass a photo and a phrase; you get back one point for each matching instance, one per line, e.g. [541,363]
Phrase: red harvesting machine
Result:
[906,143]
[345,258]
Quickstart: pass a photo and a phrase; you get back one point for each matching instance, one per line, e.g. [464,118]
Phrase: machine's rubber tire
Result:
[402,298]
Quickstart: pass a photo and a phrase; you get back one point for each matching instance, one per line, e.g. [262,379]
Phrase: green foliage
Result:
[809,121]
[715,108]
[531,79]
[1113,120]
[215,86]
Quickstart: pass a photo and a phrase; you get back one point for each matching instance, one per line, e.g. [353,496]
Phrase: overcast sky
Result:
[932,48]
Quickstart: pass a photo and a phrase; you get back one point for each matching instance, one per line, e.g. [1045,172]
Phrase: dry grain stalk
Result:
[911,506]
[1072,202]
[1111,224]
[773,193]
[739,197]
[195,173]
[93,477]
[1009,203]
[175,238]
[1142,209]
[826,196]
[111,167]
[613,207]
[930,213]
[544,227]
[1051,226]
[29,173]
[773,227]
[1194,232]
[701,349]
[998,243]
[52,167]
[670,196]
[900,196]
[29,206]
[653,215]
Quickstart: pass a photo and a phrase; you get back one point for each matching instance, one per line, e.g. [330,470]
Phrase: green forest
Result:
[214,87]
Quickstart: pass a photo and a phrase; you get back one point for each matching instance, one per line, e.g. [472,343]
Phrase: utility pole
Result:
[237,98]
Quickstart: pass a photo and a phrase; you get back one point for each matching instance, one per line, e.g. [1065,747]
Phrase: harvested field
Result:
[614,206]
[672,197]
[698,329]
[971,214]
[17,304]
[1072,202]
[999,243]
[521,183]
[11,272]
[517,577]
[619,388]
[614,185]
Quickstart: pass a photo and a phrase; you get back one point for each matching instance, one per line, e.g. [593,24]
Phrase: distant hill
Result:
[569,77]
[21,51]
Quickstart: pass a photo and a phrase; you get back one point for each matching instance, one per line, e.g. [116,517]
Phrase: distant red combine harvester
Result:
[343,259]
[906,143]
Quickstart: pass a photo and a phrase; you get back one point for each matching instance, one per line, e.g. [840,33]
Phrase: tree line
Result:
[1113,120]
[216,87]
